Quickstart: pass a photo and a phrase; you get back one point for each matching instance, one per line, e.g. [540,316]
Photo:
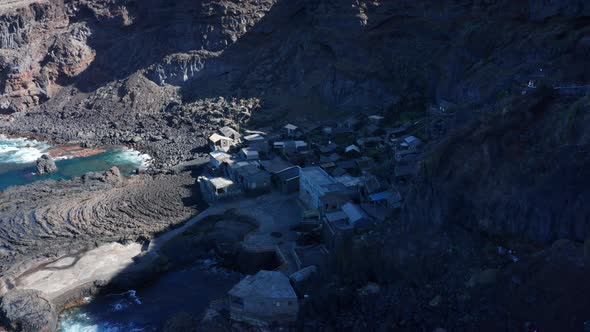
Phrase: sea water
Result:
[187,291]
[18,157]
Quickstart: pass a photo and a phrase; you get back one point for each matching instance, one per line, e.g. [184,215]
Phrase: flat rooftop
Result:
[317,175]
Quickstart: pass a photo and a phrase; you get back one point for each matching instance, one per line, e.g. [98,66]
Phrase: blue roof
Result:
[382,196]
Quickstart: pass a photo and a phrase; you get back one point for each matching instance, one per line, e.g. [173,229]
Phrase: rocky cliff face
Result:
[158,66]
[336,54]
[521,171]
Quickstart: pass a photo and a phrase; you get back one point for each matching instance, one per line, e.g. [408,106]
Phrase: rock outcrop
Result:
[28,311]
[520,171]
[46,164]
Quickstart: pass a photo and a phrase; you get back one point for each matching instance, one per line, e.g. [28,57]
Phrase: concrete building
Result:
[375,119]
[336,230]
[352,151]
[411,143]
[221,143]
[218,158]
[257,141]
[249,154]
[357,217]
[264,298]
[230,133]
[217,188]
[250,177]
[314,182]
[291,130]
[287,180]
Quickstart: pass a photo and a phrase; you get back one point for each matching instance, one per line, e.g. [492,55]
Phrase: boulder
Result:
[28,310]
[46,164]
[113,175]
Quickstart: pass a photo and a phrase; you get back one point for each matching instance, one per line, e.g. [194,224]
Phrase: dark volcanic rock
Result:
[54,218]
[46,164]
[521,171]
[28,311]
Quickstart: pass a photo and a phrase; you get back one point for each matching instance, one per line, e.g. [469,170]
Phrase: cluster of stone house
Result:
[335,170]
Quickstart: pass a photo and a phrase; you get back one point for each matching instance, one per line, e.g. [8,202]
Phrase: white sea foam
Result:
[134,157]
[21,150]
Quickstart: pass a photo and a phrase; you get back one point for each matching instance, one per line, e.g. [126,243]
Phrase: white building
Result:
[314,182]
[221,143]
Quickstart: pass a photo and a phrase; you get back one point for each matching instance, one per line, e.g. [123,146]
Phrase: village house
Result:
[357,217]
[336,230]
[370,185]
[217,188]
[249,154]
[218,158]
[275,165]
[291,131]
[389,198]
[352,152]
[411,143]
[314,182]
[221,143]
[257,142]
[375,119]
[230,133]
[264,298]
[250,177]
[287,180]
[328,148]
[338,226]
[333,201]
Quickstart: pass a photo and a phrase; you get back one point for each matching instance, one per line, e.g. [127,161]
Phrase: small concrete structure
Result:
[357,217]
[375,119]
[275,165]
[291,130]
[221,143]
[287,180]
[411,143]
[231,133]
[249,154]
[352,151]
[336,230]
[249,177]
[264,298]
[218,158]
[217,188]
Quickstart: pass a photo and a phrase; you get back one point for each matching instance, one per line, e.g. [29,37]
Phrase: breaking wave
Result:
[129,156]
[21,150]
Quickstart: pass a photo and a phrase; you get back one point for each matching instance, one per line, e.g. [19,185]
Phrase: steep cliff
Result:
[521,171]
[338,54]
[160,67]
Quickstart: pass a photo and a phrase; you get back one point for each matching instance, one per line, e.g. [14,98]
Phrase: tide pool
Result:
[188,291]
[18,156]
